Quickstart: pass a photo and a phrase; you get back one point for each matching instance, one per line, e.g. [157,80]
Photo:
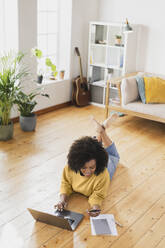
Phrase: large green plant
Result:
[26,102]
[12,72]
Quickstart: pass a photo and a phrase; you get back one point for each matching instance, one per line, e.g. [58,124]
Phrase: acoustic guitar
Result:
[80,91]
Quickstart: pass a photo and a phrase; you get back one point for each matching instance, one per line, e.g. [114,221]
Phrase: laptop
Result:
[66,219]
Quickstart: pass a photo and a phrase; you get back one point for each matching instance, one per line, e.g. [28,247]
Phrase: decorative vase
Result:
[28,123]
[6,131]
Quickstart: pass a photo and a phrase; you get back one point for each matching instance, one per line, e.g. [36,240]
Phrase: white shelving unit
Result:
[106,59]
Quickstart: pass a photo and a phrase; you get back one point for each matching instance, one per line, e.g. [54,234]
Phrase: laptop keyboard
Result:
[61,214]
[70,221]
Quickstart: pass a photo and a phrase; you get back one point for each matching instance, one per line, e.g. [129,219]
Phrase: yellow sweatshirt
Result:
[95,187]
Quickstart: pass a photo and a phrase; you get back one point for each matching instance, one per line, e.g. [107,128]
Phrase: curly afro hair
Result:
[85,149]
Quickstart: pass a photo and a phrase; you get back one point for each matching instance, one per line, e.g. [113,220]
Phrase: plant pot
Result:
[118,41]
[39,79]
[28,123]
[62,73]
[6,131]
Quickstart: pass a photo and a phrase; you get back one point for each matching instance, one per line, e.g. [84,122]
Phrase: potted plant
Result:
[26,104]
[62,74]
[38,54]
[118,39]
[52,66]
[11,73]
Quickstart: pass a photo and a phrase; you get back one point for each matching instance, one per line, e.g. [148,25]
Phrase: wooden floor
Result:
[30,169]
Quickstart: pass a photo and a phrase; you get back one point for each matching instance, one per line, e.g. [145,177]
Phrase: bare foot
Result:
[109,120]
[99,127]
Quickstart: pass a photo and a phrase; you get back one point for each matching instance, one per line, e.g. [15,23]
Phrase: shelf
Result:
[98,65]
[98,104]
[117,47]
[105,45]
[114,104]
[100,83]
[114,101]
[108,66]
[108,60]
[98,45]
[114,88]
[116,67]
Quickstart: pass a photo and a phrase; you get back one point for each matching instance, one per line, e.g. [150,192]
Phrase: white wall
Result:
[27,29]
[150,14]
[8,26]
[83,11]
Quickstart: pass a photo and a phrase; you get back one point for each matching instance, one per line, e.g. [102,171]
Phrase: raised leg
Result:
[101,130]
[113,156]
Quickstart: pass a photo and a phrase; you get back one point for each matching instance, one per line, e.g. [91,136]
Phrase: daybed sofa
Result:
[130,102]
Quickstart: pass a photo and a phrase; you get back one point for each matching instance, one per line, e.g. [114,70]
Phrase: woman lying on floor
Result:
[90,168]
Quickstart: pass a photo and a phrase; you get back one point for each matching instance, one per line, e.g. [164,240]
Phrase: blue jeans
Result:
[113,159]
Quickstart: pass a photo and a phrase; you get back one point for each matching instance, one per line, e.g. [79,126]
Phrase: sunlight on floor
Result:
[10,238]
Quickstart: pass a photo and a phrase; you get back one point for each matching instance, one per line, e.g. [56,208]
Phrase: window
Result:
[54,33]
[8,25]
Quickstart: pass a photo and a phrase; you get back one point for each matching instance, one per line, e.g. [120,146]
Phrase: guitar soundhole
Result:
[84,86]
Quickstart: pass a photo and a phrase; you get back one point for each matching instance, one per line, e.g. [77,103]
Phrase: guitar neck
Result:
[81,72]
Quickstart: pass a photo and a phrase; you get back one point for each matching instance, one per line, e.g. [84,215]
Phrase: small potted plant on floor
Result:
[12,72]
[26,104]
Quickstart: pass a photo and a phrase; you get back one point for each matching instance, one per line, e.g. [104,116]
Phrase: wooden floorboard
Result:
[30,170]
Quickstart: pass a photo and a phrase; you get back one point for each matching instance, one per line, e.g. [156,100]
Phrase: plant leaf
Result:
[48,62]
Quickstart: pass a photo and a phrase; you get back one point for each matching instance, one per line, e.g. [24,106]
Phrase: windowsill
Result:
[52,81]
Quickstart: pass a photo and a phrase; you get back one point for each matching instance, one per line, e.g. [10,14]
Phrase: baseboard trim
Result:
[46,110]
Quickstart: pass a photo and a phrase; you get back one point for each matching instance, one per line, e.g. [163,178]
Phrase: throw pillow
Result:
[154,90]
[129,90]
[141,88]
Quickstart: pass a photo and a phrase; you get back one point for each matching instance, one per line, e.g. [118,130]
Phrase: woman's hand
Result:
[94,211]
[62,203]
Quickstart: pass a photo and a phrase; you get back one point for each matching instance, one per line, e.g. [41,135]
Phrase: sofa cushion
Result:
[149,109]
[154,90]
[129,90]
[141,88]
